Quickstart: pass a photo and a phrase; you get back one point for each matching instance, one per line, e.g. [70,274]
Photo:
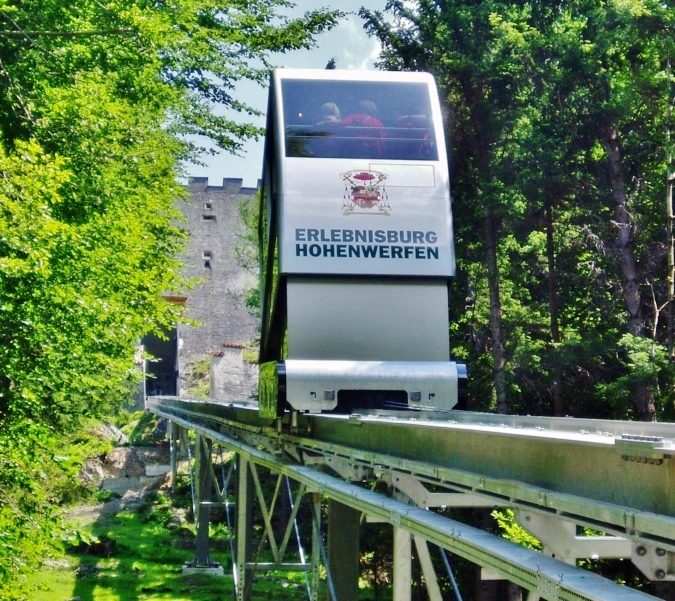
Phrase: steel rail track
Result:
[539,573]
[573,472]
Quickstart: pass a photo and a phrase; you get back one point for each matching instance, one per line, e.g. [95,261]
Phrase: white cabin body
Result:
[358,221]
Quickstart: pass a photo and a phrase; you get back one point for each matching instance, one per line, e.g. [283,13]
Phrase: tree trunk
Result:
[498,354]
[559,408]
[671,261]
[644,400]
[670,217]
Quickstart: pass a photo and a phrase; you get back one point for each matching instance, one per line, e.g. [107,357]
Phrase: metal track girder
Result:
[547,577]
[529,462]
[559,539]
[418,494]
[607,517]
[347,470]
[588,466]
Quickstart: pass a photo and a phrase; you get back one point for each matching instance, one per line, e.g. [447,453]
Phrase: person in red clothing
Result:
[368,144]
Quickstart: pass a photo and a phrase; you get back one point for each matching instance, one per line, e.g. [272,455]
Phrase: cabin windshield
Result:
[358,119]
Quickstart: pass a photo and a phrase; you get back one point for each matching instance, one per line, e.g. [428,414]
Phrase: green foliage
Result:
[97,100]
[137,554]
[506,520]
[39,472]
[532,92]
[642,361]
[103,496]
[247,248]
[129,559]
[86,247]
[246,252]
[143,429]
[197,376]
[156,508]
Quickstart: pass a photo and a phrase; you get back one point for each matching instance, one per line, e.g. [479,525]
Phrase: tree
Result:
[556,117]
[97,98]
[616,70]
[556,114]
[478,53]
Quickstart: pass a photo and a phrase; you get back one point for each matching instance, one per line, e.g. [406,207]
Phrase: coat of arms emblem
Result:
[365,193]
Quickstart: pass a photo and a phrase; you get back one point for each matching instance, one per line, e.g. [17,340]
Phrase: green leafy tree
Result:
[556,115]
[481,56]
[97,99]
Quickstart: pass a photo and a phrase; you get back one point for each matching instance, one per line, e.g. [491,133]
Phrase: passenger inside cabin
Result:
[368,129]
[325,145]
[412,133]
[330,113]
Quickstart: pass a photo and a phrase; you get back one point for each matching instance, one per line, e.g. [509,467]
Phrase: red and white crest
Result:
[365,193]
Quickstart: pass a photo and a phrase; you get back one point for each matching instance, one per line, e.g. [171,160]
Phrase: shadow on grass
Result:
[139,555]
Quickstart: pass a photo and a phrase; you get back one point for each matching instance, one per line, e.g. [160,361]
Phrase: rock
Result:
[182,543]
[122,462]
[103,546]
[186,533]
[110,432]
[156,469]
[58,564]
[92,470]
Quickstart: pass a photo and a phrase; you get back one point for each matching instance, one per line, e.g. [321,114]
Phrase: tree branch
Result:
[66,34]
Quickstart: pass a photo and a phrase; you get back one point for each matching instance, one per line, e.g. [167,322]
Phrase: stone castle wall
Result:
[217,302]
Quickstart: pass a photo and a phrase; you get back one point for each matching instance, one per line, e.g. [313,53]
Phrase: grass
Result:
[141,559]
[145,563]
[139,554]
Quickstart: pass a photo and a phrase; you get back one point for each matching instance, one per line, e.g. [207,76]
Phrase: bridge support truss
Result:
[289,455]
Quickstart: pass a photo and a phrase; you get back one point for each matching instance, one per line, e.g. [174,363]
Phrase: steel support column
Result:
[343,549]
[542,576]
[402,564]
[203,490]
[174,434]
[433,590]
[178,442]
[204,481]
[316,546]
[243,529]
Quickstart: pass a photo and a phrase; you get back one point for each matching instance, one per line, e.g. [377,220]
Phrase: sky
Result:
[347,43]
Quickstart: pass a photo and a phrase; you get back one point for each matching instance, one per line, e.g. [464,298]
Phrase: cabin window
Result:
[346,119]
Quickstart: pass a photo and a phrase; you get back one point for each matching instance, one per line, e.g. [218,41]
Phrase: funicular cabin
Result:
[356,245]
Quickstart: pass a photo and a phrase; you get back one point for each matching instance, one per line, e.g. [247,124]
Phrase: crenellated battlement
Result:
[230,185]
